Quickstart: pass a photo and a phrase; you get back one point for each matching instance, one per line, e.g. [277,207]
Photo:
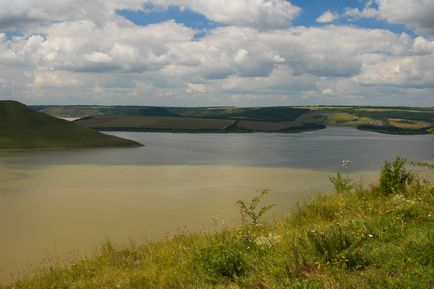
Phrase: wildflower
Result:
[346,164]
[370,235]
[266,242]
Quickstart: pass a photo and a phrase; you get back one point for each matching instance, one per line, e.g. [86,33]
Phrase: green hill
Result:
[379,236]
[391,120]
[22,127]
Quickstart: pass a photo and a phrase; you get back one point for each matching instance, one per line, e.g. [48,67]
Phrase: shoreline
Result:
[123,202]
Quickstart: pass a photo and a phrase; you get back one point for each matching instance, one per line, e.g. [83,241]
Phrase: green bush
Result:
[339,245]
[221,260]
[341,184]
[394,177]
[250,213]
[251,226]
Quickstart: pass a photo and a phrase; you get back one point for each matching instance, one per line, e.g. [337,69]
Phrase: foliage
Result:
[250,213]
[388,129]
[394,177]
[219,260]
[337,244]
[422,164]
[341,184]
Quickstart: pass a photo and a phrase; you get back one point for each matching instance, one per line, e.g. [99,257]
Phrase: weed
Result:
[341,184]
[250,213]
[394,177]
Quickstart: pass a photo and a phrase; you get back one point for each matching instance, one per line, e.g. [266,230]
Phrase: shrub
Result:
[250,213]
[340,245]
[394,177]
[221,260]
[341,184]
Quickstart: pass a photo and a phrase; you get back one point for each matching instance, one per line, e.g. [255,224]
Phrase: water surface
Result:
[323,150]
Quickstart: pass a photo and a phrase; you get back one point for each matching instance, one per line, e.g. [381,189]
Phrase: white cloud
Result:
[195,88]
[366,12]
[53,79]
[421,46]
[417,14]
[261,14]
[327,17]
[328,91]
[98,57]
[256,59]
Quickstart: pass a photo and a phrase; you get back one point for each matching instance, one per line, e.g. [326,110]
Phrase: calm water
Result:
[55,204]
[323,150]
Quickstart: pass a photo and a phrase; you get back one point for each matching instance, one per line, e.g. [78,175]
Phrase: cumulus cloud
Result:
[28,13]
[261,14]
[327,17]
[90,52]
[53,79]
[195,88]
[415,14]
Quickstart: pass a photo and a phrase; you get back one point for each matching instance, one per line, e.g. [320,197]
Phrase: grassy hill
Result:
[22,127]
[376,236]
[155,123]
[392,120]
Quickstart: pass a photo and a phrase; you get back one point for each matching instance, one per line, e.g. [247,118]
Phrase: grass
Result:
[21,128]
[155,123]
[376,236]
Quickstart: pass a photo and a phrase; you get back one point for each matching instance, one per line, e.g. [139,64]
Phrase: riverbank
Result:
[366,237]
[56,212]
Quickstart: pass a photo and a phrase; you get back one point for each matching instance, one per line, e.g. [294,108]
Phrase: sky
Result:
[218,52]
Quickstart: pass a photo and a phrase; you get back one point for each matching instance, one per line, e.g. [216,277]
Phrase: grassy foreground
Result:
[378,236]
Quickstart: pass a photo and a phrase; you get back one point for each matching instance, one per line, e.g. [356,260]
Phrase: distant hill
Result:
[22,127]
[391,120]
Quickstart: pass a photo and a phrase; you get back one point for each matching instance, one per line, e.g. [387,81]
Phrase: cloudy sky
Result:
[217,52]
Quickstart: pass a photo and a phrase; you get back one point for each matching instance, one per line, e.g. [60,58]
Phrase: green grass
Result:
[134,122]
[363,237]
[21,127]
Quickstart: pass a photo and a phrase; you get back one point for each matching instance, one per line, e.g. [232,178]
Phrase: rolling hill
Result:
[390,120]
[22,127]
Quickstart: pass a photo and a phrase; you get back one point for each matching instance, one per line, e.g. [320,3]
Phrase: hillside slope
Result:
[22,127]
[363,237]
[390,120]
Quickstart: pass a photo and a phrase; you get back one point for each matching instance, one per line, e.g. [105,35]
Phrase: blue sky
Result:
[311,10]
[220,52]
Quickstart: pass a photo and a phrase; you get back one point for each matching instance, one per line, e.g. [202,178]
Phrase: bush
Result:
[340,245]
[250,213]
[394,177]
[251,226]
[221,260]
[341,184]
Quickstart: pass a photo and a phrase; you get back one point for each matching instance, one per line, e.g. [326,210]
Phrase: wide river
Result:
[57,205]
